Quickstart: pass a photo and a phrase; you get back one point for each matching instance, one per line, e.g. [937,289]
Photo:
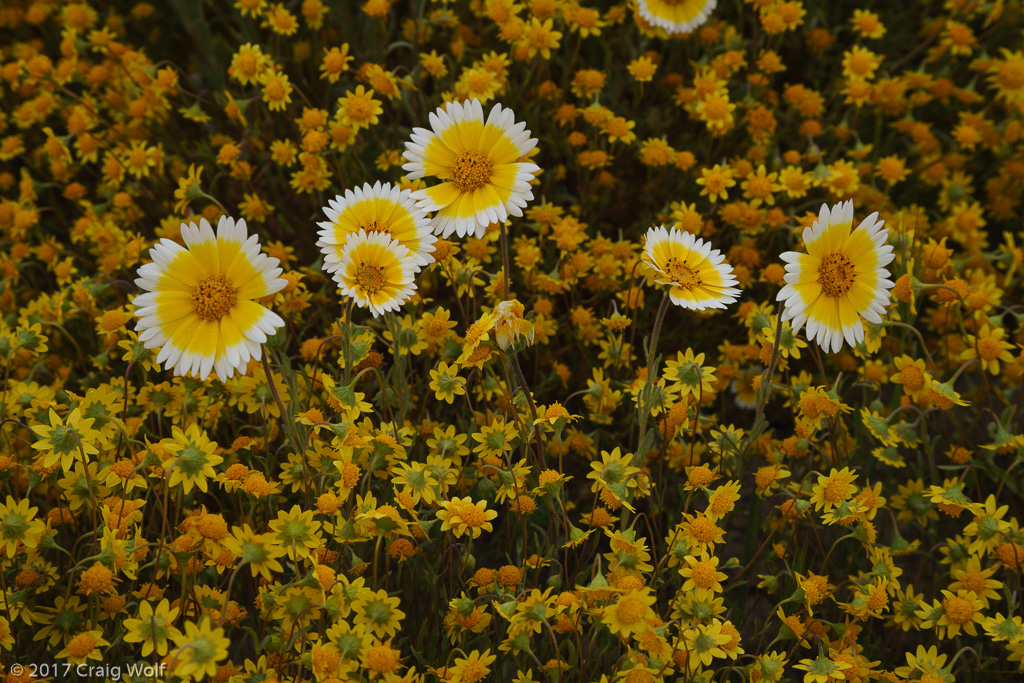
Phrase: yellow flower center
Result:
[701,475]
[703,529]
[682,274]
[213,297]
[974,581]
[357,108]
[629,610]
[704,574]
[1010,554]
[765,477]
[509,575]
[472,516]
[958,610]
[81,645]
[835,491]
[716,108]
[376,226]
[479,81]
[835,274]
[470,171]
[1011,75]
[989,348]
[382,659]
[370,278]
[97,578]
[913,378]
[349,475]
[473,672]
[555,411]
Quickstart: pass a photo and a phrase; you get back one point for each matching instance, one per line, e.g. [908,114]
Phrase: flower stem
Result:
[504,261]
[645,411]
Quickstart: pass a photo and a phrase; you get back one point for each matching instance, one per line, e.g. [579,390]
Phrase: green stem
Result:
[659,320]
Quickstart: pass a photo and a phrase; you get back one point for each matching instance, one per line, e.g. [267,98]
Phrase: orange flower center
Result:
[370,278]
[958,610]
[835,274]
[470,171]
[213,297]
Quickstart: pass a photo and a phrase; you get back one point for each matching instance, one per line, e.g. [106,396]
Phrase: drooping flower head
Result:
[376,271]
[478,161]
[840,279]
[676,17]
[377,208]
[199,301]
[697,275]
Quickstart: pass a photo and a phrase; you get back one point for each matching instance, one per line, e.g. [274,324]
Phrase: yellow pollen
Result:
[376,226]
[958,610]
[470,171]
[213,297]
[835,275]
[370,278]
[682,274]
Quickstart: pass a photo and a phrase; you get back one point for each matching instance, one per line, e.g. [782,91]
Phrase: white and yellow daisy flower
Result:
[479,162]
[378,208]
[676,16]
[200,304]
[376,271]
[840,279]
[697,275]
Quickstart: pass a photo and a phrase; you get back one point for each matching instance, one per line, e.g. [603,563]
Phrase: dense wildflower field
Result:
[511,340]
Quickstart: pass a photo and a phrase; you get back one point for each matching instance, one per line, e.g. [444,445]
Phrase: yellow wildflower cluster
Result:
[536,340]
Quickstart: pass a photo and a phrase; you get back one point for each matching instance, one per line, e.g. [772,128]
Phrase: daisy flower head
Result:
[676,17]
[840,279]
[200,301]
[376,208]
[478,161]
[376,271]
[697,275]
